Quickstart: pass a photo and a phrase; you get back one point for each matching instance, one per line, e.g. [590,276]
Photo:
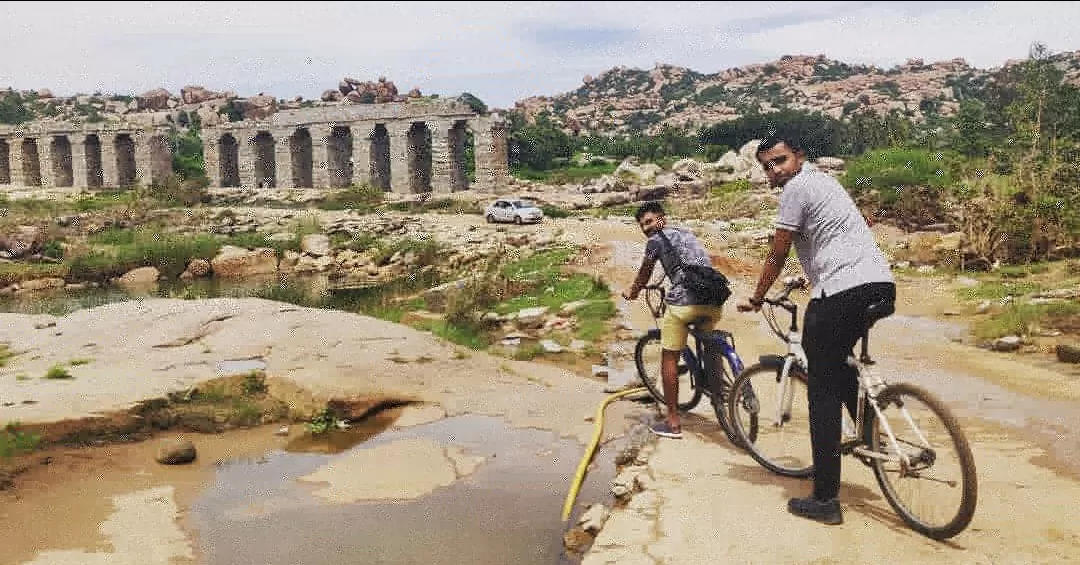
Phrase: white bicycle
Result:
[903,432]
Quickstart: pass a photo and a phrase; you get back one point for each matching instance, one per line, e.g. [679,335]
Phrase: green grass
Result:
[528,352]
[997,290]
[592,319]
[364,199]
[1019,319]
[566,175]
[540,267]
[58,372]
[13,441]
[5,354]
[465,335]
[16,272]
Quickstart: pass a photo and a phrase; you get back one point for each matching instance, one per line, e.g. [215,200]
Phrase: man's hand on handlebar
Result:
[747,306]
[630,294]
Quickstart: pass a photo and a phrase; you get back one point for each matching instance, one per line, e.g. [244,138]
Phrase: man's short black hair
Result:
[652,206]
[775,139]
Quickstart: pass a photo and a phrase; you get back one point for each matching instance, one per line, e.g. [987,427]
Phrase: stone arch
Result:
[418,155]
[302,159]
[31,164]
[5,162]
[229,160]
[160,158]
[339,148]
[126,171]
[380,158]
[95,173]
[60,157]
[265,163]
[461,145]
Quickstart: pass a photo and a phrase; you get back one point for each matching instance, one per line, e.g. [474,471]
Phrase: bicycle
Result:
[694,365]
[873,437]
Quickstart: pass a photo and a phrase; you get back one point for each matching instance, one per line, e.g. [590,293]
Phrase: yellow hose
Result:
[579,477]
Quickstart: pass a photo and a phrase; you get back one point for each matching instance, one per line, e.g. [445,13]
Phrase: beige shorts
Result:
[673,330]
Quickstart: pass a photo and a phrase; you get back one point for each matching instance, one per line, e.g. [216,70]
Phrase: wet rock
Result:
[593,519]
[233,262]
[576,540]
[140,276]
[531,317]
[626,482]
[1006,344]
[316,244]
[550,346]
[1067,353]
[175,451]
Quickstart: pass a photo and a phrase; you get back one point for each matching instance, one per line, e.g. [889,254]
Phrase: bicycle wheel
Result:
[771,421]
[721,387]
[936,493]
[647,355]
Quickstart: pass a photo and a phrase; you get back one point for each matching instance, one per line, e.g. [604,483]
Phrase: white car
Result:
[517,210]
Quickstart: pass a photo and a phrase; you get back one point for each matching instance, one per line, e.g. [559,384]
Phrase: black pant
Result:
[831,328]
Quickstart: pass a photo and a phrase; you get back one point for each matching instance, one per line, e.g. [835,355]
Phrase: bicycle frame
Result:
[870,385]
[694,361]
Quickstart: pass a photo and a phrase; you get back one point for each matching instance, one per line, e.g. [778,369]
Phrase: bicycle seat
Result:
[878,310]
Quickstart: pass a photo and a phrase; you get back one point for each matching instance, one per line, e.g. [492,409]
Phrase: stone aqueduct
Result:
[401,147]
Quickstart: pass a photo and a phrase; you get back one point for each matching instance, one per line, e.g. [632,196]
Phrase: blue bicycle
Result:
[709,364]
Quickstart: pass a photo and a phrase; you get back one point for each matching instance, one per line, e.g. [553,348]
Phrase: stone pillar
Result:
[45,160]
[361,154]
[246,154]
[212,156]
[144,167]
[78,162]
[492,157]
[5,160]
[441,166]
[109,173]
[15,159]
[320,155]
[283,158]
[398,134]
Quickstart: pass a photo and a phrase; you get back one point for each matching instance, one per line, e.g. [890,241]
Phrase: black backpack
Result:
[703,282]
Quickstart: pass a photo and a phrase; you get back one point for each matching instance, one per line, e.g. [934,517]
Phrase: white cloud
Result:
[500,51]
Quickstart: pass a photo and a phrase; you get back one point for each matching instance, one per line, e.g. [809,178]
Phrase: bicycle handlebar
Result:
[790,284]
[782,300]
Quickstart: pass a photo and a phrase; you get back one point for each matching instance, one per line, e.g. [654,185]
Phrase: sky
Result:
[499,51]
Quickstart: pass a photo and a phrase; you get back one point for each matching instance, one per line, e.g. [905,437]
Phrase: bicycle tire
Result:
[958,521]
[726,383]
[656,389]
[752,433]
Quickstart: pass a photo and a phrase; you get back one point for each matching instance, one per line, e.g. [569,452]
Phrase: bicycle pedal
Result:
[848,446]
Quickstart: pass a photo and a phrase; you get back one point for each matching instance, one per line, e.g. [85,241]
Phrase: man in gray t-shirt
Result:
[848,273]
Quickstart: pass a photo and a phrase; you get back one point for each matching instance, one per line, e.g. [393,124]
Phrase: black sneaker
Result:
[824,511]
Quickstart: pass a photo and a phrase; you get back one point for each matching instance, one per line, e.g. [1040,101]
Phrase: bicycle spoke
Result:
[930,481]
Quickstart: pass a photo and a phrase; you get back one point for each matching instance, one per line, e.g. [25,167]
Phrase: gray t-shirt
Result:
[690,251]
[835,246]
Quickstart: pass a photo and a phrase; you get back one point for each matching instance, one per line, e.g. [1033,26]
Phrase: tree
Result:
[971,133]
[473,102]
[537,146]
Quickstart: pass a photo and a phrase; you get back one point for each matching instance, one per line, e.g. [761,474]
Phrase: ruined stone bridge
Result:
[403,147]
